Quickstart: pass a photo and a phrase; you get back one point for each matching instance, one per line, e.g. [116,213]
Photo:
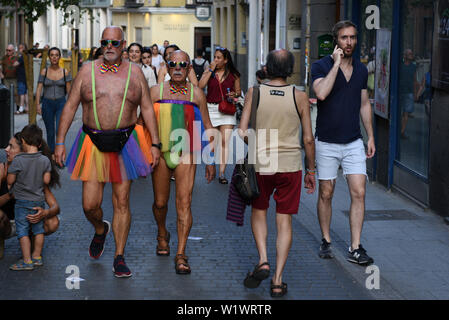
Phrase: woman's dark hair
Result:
[54,48]
[280,64]
[146,50]
[98,53]
[229,67]
[92,54]
[174,46]
[32,135]
[135,44]
[261,74]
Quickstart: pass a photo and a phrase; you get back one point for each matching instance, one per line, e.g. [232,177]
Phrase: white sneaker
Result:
[21,109]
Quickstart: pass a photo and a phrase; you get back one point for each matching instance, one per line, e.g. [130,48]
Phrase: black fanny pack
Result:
[109,140]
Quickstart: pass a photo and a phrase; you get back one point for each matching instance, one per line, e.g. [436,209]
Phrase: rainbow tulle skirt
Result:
[180,125]
[87,163]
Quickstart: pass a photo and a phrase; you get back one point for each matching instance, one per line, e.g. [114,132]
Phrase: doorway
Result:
[203,41]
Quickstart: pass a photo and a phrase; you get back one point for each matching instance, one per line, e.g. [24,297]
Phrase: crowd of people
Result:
[134,97]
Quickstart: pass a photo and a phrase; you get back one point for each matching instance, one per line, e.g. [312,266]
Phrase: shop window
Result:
[414,91]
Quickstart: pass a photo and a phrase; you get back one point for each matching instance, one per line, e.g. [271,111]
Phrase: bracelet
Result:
[211,71]
[311,172]
[59,144]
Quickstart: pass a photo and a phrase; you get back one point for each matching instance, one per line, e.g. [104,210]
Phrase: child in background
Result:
[28,173]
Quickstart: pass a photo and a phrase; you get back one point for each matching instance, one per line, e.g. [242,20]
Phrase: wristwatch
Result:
[159,145]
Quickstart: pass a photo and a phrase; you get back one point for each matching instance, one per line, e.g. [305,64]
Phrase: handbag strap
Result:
[219,85]
[254,105]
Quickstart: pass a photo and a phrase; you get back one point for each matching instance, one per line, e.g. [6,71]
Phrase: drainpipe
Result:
[307,50]
[253,41]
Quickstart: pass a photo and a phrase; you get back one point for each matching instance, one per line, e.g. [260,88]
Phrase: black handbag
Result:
[245,180]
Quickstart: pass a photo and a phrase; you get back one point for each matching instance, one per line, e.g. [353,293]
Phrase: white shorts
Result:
[217,118]
[330,156]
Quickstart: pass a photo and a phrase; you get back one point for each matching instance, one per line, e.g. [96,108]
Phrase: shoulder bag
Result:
[245,180]
[225,106]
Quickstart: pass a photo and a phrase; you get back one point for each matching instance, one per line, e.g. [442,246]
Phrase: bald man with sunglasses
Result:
[110,147]
[179,107]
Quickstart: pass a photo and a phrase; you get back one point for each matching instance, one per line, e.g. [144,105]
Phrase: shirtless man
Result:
[106,150]
[173,100]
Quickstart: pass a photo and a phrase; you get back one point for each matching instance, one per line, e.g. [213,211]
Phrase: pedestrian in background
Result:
[340,84]
[21,81]
[55,83]
[199,64]
[8,71]
[156,58]
[222,80]
[28,174]
[148,69]
[285,109]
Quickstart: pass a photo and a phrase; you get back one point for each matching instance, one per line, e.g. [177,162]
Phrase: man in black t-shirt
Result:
[340,84]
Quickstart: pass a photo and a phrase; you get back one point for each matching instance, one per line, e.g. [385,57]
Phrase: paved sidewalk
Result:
[409,245]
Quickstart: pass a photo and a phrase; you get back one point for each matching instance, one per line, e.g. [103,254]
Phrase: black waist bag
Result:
[245,181]
[109,140]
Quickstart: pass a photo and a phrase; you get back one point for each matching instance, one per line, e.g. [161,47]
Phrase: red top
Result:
[213,90]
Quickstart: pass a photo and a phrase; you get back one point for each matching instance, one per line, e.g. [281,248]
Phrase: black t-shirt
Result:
[338,119]
[21,70]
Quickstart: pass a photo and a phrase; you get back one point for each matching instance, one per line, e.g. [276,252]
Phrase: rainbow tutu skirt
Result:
[87,163]
[179,117]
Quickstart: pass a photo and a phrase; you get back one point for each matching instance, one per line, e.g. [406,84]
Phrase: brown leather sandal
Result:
[163,251]
[185,264]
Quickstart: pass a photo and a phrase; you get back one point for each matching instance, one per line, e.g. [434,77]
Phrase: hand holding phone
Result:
[337,55]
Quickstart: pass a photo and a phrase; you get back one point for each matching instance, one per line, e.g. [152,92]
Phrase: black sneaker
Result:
[359,256]
[97,245]
[120,268]
[325,250]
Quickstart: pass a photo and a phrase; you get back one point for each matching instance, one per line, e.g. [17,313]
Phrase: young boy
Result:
[27,174]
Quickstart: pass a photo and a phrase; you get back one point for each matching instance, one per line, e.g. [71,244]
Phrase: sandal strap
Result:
[278,286]
[180,256]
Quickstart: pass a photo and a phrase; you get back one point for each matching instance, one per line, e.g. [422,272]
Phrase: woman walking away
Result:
[55,82]
[223,82]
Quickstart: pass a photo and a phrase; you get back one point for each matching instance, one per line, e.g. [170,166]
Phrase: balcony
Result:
[95,3]
[134,3]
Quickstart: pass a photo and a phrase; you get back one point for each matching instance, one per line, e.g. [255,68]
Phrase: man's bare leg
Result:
[121,222]
[324,206]
[185,180]
[283,245]
[92,199]
[161,189]
[357,189]
[259,228]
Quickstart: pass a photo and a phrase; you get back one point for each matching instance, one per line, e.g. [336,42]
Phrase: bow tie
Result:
[105,68]
[174,89]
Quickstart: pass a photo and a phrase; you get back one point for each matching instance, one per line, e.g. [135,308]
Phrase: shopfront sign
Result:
[440,61]
[202,13]
[382,75]
[325,45]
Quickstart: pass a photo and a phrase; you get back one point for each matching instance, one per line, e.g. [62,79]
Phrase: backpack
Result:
[198,68]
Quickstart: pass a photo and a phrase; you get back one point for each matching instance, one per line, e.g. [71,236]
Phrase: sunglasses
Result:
[182,64]
[115,43]
[221,48]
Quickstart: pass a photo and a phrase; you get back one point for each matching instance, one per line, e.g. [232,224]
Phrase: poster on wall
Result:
[440,61]
[382,75]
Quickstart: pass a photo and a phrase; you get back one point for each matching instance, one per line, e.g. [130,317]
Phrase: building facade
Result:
[402,42]
[151,22]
